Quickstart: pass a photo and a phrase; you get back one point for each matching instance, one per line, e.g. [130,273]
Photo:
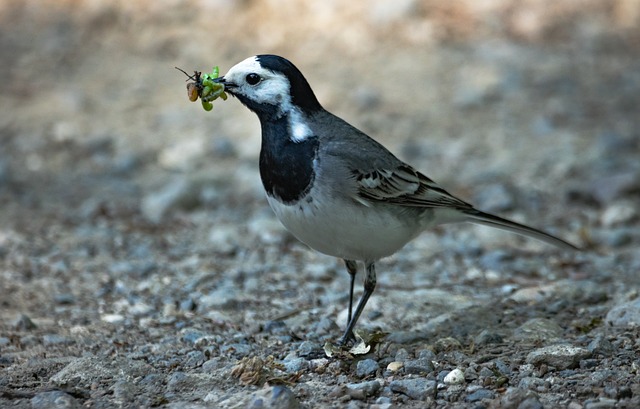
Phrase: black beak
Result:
[229,86]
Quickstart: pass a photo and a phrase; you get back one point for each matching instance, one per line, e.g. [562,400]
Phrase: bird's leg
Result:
[369,286]
[352,269]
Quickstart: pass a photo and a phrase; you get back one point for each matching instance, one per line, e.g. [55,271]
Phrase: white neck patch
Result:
[299,129]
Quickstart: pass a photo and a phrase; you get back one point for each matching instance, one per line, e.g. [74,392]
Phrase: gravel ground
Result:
[140,265]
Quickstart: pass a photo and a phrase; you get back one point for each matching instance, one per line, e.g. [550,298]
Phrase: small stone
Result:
[54,400]
[124,392]
[402,355]
[395,366]
[486,337]
[479,395]
[447,344]
[520,398]
[619,213]
[113,318]
[194,359]
[23,323]
[416,388]
[455,377]
[538,329]
[295,365]
[64,299]
[308,349]
[367,389]
[625,315]
[274,397]
[418,366]
[237,350]
[559,356]
[427,354]
[601,345]
[367,367]
[55,339]
[601,403]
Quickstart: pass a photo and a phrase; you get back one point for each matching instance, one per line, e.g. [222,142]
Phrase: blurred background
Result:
[95,118]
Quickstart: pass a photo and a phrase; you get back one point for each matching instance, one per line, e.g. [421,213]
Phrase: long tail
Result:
[476,216]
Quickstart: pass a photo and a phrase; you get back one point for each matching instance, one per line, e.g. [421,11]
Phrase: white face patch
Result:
[273,88]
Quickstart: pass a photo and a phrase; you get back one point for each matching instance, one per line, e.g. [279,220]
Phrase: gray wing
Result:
[404,186]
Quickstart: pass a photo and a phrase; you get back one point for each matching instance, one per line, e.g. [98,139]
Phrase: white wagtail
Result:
[332,186]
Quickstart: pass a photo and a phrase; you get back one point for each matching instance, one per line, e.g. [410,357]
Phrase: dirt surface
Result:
[140,265]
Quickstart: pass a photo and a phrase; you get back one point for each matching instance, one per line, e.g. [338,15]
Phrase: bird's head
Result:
[271,86]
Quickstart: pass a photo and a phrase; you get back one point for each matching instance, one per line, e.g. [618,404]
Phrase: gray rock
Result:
[600,403]
[308,348]
[600,345]
[125,392]
[416,388]
[276,397]
[295,364]
[84,371]
[55,339]
[518,398]
[418,366]
[561,356]
[366,389]
[479,395]
[23,323]
[538,329]
[54,400]
[194,359]
[366,367]
[401,355]
[486,337]
[625,315]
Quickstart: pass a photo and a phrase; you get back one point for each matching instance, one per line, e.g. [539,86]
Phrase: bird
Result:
[336,189]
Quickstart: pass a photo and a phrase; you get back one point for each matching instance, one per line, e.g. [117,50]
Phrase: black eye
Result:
[253,78]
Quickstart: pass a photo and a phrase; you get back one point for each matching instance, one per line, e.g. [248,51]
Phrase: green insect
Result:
[205,88]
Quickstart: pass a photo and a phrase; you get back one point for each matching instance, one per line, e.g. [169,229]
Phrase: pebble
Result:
[112,318]
[366,367]
[480,394]
[521,399]
[625,315]
[600,345]
[55,339]
[486,337]
[561,356]
[418,366]
[237,350]
[308,348]
[366,389]
[619,213]
[54,400]
[455,377]
[274,397]
[538,329]
[395,366]
[23,323]
[415,388]
[194,359]
[294,365]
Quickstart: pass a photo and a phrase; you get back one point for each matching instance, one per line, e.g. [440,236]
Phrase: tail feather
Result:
[476,216]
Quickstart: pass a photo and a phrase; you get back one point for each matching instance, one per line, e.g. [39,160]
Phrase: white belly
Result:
[348,230]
